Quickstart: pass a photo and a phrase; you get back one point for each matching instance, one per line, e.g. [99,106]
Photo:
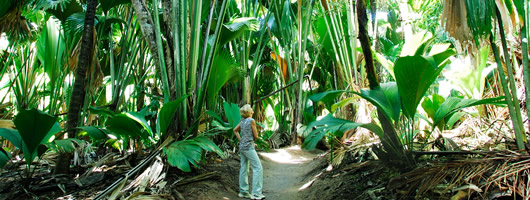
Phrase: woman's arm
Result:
[254,130]
[236,131]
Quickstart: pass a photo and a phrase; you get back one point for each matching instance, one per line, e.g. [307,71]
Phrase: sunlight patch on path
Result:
[289,155]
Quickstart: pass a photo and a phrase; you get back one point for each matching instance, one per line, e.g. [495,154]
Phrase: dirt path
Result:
[286,170]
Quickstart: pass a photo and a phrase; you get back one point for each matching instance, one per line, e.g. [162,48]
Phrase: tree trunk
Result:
[148,30]
[394,153]
[169,48]
[365,44]
[77,99]
[147,27]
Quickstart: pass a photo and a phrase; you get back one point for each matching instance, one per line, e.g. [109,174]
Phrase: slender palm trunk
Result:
[365,44]
[393,148]
[78,94]
[509,85]
[153,42]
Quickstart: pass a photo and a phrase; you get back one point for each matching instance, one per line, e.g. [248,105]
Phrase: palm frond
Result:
[479,17]
[224,69]
[16,27]
[51,4]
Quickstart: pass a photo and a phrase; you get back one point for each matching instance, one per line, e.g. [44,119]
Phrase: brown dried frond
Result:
[503,170]
[15,25]
[455,20]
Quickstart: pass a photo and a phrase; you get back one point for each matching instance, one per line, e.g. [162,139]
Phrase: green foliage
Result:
[50,51]
[430,106]
[453,104]
[330,124]
[412,88]
[126,125]
[34,128]
[232,113]
[12,136]
[224,70]
[166,114]
[65,145]
[61,9]
[4,157]
[479,16]
[5,5]
[445,113]
[95,133]
[386,97]
[181,153]
[471,80]
[236,27]
[106,5]
[74,24]
[328,97]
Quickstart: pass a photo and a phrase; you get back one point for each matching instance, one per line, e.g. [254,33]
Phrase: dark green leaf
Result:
[453,104]
[181,153]
[4,157]
[328,97]
[165,116]
[13,136]
[5,5]
[122,125]
[101,111]
[214,115]
[454,118]
[330,124]
[441,59]
[141,120]
[224,70]
[61,9]
[208,145]
[35,128]
[386,98]
[65,145]
[479,17]
[96,133]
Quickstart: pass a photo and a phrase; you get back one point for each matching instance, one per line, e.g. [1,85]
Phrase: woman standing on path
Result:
[249,134]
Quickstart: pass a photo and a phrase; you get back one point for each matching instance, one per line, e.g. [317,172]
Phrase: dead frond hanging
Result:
[454,18]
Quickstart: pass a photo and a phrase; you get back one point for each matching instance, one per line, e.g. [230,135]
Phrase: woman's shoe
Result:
[244,195]
[258,197]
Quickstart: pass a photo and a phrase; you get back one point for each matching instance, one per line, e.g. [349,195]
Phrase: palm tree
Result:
[79,90]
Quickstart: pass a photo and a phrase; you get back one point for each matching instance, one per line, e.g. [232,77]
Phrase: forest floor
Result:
[285,171]
[290,173]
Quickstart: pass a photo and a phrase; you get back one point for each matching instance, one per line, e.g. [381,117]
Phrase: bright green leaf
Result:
[414,75]
[232,113]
